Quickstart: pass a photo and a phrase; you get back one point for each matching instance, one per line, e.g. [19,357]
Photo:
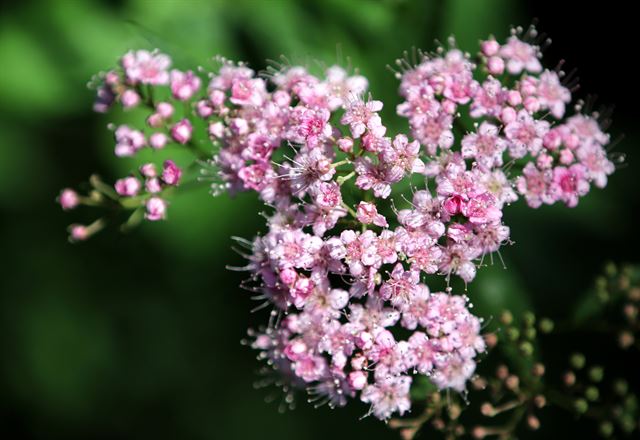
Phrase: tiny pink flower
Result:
[520,56]
[181,131]
[148,170]
[368,214]
[328,195]
[146,67]
[247,92]
[128,141]
[171,173]
[68,199]
[156,209]
[525,134]
[360,115]
[165,110]
[158,141]
[552,95]
[489,47]
[153,185]
[570,183]
[128,186]
[358,380]
[78,233]
[535,185]
[184,84]
[387,396]
[129,99]
[345,144]
[482,209]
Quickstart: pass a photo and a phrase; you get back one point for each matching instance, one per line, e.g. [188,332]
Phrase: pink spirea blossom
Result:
[68,199]
[361,222]
[146,67]
[156,209]
[128,186]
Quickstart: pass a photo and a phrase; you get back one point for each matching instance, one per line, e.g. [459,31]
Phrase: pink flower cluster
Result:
[351,244]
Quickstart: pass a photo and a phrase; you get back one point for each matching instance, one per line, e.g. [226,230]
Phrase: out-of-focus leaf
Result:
[30,80]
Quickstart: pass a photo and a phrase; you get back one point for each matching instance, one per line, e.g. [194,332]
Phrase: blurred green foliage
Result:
[137,335]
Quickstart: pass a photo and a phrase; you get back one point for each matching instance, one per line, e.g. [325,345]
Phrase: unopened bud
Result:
[454,411]
[540,401]
[592,393]
[569,378]
[487,409]
[526,348]
[502,372]
[546,325]
[529,318]
[581,406]
[506,317]
[479,432]
[512,382]
[606,429]
[625,339]
[533,422]
[631,312]
[596,373]
[621,387]
[538,369]
[577,360]
[491,339]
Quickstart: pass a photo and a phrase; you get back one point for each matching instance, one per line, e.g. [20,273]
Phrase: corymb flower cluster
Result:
[366,231]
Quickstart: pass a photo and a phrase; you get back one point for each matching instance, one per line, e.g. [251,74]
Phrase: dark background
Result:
[137,336]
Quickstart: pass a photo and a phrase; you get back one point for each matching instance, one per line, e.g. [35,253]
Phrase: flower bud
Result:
[153,185]
[507,115]
[156,209]
[490,47]
[129,99]
[155,120]
[128,186]
[592,393]
[68,199]
[216,129]
[546,325]
[181,132]
[203,109]
[577,361]
[596,373]
[171,173]
[78,233]
[165,110]
[158,140]
[533,422]
[357,380]
[345,144]
[148,170]
[495,66]
[581,406]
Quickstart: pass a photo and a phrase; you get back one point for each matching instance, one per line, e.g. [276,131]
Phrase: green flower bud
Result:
[581,406]
[606,429]
[506,317]
[621,387]
[546,325]
[596,373]
[530,333]
[577,360]
[529,319]
[526,348]
[592,394]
